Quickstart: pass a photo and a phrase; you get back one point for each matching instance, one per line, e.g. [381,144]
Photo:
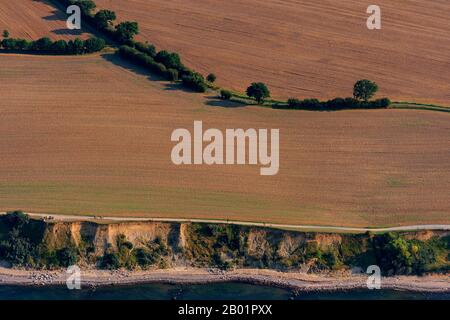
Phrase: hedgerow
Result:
[60,47]
[333,105]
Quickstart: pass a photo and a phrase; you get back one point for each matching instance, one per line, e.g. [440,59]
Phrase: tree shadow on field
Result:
[116,60]
[175,86]
[55,16]
[68,32]
[217,102]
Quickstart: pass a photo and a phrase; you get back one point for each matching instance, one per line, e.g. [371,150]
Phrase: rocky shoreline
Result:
[297,281]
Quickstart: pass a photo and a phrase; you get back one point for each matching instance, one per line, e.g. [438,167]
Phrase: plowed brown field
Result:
[87,135]
[305,48]
[33,19]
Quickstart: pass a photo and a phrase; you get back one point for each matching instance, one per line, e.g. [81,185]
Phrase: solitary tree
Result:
[259,91]
[211,77]
[104,18]
[125,31]
[364,89]
[5,34]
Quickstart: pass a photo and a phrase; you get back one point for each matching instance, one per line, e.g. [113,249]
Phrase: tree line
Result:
[164,63]
[46,45]
[363,91]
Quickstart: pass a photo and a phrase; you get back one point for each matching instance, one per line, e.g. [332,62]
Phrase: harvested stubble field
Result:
[33,19]
[305,48]
[88,135]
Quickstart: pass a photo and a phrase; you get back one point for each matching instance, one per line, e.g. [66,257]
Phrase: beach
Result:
[298,281]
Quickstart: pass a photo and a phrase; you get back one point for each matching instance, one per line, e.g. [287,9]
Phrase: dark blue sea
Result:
[215,291]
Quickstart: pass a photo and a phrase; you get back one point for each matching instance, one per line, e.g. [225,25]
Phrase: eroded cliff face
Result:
[103,236]
[162,245]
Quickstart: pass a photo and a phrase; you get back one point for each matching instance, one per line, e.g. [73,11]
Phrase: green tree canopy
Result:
[211,77]
[94,44]
[364,89]
[259,91]
[43,44]
[86,6]
[169,59]
[125,31]
[104,18]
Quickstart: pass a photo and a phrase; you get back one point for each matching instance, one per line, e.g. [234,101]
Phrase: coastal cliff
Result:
[157,245]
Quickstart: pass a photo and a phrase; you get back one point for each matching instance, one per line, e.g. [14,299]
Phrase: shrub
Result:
[125,31]
[184,71]
[336,103]
[153,253]
[364,89]
[382,103]
[127,52]
[225,95]
[94,45]
[59,46]
[169,59]
[9,44]
[172,74]
[158,68]
[398,255]
[67,256]
[75,46]
[145,258]
[258,91]
[331,259]
[16,249]
[104,18]
[22,44]
[194,81]
[142,59]
[86,6]
[16,219]
[5,34]
[211,77]
[307,104]
[352,103]
[311,104]
[43,44]
[146,48]
[110,261]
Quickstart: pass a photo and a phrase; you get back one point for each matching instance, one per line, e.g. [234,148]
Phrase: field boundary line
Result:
[62,217]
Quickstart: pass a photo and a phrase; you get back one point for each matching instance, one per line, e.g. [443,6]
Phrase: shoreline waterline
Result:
[297,281]
[215,291]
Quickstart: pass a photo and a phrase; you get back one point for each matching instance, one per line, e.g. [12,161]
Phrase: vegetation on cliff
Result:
[34,243]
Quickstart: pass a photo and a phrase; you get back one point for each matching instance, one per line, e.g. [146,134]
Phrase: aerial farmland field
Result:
[287,150]
[87,135]
[303,48]
[34,19]
[90,135]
